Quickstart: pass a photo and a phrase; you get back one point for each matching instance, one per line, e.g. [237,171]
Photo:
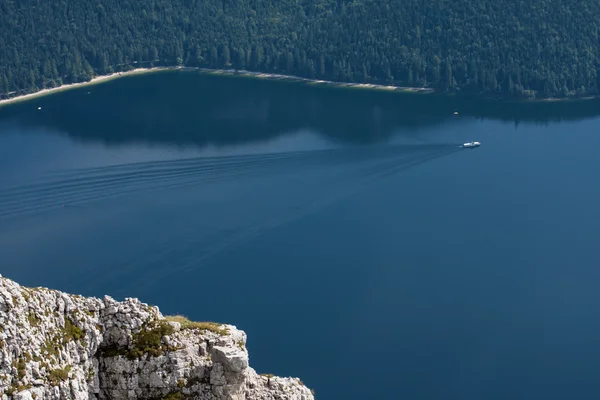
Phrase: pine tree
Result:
[226,56]
[4,90]
[442,44]
[322,65]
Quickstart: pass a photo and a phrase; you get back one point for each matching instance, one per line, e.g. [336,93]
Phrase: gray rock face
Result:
[59,346]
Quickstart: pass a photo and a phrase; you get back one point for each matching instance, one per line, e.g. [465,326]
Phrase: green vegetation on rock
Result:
[21,368]
[51,347]
[16,389]
[150,340]
[58,375]
[174,396]
[34,321]
[72,332]
[90,374]
[202,326]
[147,341]
[511,47]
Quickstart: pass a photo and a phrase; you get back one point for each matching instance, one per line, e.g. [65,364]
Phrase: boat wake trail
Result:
[74,188]
[322,178]
[360,168]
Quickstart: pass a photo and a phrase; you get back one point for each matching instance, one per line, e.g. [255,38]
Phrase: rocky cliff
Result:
[55,345]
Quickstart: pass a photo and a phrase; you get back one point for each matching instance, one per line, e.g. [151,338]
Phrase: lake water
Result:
[343,230]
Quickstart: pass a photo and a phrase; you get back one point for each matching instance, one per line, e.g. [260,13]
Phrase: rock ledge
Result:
[55,345]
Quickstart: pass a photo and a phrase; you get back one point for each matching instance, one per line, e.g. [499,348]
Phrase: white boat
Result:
[470,145]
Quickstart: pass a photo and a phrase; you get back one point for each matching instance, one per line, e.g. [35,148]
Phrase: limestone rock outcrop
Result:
[55,346]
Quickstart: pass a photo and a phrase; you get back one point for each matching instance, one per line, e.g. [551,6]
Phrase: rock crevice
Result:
[55,346]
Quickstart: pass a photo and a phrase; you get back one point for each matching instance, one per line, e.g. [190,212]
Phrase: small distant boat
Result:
[455,112]
[470,145]
[39,108]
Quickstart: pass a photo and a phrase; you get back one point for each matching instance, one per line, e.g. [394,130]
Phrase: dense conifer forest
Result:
[528,48]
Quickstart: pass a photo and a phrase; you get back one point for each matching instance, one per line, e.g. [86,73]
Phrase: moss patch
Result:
[72,332]
[90,375]
[150,340]
[203,326]
[59,375]
[174,396]
[33,319]
[21,368]
[147,341]
[16,389]
[51,347]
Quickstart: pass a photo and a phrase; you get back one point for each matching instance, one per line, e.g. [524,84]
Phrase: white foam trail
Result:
[76,187]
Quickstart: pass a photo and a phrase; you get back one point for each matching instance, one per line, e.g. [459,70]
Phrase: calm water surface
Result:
[342,230]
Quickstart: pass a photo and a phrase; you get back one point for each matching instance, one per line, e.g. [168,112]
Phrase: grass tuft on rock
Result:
[21,368]
[71,332]
[147,341]
[51,346]
[34,321]
[59,375]
[174,396]
[203,326]
[150,340]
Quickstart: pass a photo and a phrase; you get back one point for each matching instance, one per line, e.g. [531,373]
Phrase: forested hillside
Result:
[511,47]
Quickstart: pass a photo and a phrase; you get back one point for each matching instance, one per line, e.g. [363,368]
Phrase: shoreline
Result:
[94,81]
[292,78]
[258,75]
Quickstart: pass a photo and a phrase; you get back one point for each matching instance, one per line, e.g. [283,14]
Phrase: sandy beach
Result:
[317,81]
[261,75]
[93,81]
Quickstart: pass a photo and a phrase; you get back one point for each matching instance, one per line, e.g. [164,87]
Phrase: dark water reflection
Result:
[191,108]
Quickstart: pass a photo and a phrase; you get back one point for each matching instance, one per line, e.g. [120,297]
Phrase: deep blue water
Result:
[342,230]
